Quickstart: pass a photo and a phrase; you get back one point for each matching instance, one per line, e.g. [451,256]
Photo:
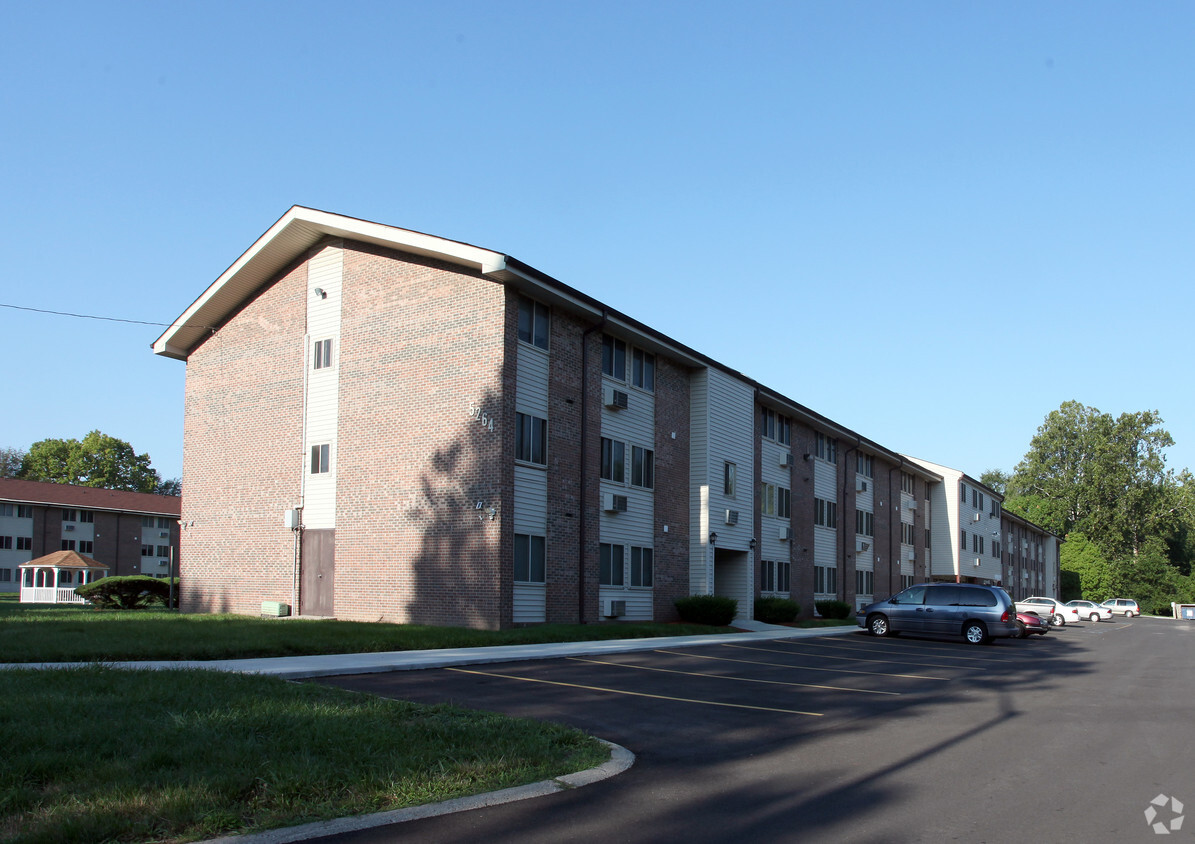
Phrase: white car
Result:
[1127,606]
[1055,611]
[1091,610]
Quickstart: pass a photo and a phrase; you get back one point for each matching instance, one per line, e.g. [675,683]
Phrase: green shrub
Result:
[125,593]
[713,610]
[165,597]
[833,609]
[776,610]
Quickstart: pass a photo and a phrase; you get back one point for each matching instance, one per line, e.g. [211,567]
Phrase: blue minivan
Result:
[977,613]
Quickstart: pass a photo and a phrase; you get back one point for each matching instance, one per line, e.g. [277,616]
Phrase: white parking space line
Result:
[636,694]
[798,667]
[872,648]
[795,647]
[738,679]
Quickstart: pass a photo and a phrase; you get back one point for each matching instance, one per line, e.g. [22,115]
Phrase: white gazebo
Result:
[52,579]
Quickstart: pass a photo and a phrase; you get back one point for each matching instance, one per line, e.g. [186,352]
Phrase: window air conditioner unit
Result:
[163,562]
[68,527]
[786,533]
[786,460]
[612,503]
[910,555]
[860,485]
[616,399]
[912,505]
[977,517]
[612,608]
[864,546]
[165,534]
[732,517]
[978,561]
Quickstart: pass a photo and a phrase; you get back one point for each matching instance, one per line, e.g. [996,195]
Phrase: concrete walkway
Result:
[327,665]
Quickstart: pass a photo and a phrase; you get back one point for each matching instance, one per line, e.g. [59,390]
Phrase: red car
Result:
[1028,623]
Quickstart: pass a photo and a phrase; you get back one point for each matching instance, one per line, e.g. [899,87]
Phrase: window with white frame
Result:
[614,455]
[907,483]
[86,546]
[611,558]
[87,517]
[531,439]
[643,467]
[5,509]
[322,354]
[70,515]
[864,523]
[614,357]
[864,582]
[826,448]
[783,502]
[774,576]
[825,513]
[907,533]
[321,458]
[24,543]
[147,550]
[775,426]
[530,556]
[767,499]
[533,322]
[825,580]
[864,465]
[642,566]
[68,545]
[643,370]
[5,543]
[729,471]
[24,511]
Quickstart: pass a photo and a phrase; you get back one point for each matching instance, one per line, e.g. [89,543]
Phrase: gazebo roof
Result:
[64,560]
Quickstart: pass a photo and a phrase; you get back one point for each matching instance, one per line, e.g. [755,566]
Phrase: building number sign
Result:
[486,421]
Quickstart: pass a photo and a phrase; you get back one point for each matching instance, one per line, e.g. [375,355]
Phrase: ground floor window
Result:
[642,563]
[906,580]
[529,558]
[825,580]
[864,581]
[775,576]
[612,557]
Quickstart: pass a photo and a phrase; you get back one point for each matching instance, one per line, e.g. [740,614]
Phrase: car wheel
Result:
[878,625]
[1094,616]
[975,632]
[1022,630]
[1129,614]
[1058,620]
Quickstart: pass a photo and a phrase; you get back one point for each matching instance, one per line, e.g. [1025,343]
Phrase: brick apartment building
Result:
[130,532]
[386,425]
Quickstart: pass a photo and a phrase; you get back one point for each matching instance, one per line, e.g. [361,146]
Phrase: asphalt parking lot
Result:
[848,738]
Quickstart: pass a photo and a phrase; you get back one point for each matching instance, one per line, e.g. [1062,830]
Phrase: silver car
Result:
[977,613]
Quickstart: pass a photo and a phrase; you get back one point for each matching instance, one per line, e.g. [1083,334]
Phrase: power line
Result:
[102,318]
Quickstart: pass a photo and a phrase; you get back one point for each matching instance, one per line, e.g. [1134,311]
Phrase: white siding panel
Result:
[700,579]
[320,424]
[531,381]
[825,480]
[530,603]
[732,439]
[825,546]
[531,500]
[639,601]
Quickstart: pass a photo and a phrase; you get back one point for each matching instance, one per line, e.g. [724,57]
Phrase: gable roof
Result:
[89,498]
[64,560]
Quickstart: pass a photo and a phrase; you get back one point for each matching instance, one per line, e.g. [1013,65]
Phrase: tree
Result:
[995,480]
[171,486]
[10,462]
[98,461]
[1080,557]
[1099,475]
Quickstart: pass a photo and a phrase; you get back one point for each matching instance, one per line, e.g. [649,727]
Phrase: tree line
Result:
[97,460]
[1101,483]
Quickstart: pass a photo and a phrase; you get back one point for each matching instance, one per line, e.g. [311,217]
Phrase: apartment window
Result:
[906,580]
[529,558]
[728,479]
[827,448]
[87,516]
[70,515]
[996,548]
[164,551]
[907,483]
[783,505]
[864,465]
[614,357]
[643,467]
[611,560]
[613,460]
[5,509]
[86,546]
[643,370]
[24,511]
[5,543]
[5,575]
[907,532]
[24,543]
[64,577]
[927,545]
[533,322]
[963,539]
[825,580]
[322,354]
[864,582]
[642,563]
[774,576]
[147,521]
[784,430]
[320,458]
[963,492]
[825,513]
[767,499]
[864,523]
[531,439]
[164,523]
[147,550]
[68,545]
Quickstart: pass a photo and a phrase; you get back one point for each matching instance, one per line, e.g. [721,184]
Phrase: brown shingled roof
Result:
[65,560]
[89,498]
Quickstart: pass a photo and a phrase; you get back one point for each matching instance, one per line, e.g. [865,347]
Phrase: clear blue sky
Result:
[933,222]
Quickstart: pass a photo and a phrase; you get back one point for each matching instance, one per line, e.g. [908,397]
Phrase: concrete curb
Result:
[620,760]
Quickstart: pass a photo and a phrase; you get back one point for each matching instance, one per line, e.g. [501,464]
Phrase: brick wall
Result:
[672,488]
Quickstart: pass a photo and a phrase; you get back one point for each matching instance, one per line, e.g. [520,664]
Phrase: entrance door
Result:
[318,568]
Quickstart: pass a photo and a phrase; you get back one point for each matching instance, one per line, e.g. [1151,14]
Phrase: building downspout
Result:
[583,534]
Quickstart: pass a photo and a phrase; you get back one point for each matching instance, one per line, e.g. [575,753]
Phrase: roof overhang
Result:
[292,236]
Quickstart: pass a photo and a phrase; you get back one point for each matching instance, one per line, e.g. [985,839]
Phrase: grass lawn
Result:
[96,754]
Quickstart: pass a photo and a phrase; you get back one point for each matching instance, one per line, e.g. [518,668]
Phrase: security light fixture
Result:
[321,293]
